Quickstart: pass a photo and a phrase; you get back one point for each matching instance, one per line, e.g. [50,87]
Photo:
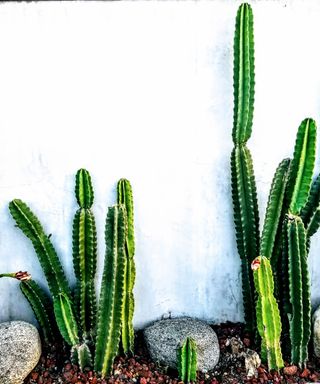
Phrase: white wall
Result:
[143,90]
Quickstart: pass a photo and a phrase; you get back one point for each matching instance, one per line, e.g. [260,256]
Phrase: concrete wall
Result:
[143,90]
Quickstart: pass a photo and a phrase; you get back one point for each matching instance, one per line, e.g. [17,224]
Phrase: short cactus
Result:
[268,315]
[187,360]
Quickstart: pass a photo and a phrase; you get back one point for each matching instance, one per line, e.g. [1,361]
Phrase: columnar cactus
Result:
[187,360]
[244,193]
[85,253]
[268,315]
[127,331]
[112,290]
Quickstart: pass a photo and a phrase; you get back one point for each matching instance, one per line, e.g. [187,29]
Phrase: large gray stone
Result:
[164,337]
[316,332]
[20,351]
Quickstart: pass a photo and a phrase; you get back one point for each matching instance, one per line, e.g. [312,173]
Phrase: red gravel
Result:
[55,367]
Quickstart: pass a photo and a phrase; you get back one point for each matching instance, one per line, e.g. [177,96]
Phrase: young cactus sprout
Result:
[187,360]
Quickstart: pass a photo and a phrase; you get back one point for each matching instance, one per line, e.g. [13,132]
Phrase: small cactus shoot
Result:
[187,360]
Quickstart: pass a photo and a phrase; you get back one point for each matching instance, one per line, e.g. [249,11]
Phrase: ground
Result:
[56,368]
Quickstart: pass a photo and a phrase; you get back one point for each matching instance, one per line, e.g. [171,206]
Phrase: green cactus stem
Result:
[42,307]
[301,167]
[84,190]
[243,75]
[81,355]
[187,360]
[299,286]
[85,253]
[268,315]
[125,197]
[112,291]
[274,210]
[65,318]
[50,263]
[246,218]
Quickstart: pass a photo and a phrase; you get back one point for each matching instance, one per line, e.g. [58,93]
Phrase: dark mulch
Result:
[55,367]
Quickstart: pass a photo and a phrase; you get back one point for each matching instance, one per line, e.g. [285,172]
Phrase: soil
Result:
[55,367]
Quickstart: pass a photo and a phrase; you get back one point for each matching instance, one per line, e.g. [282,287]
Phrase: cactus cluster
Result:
[187,360]
[292,217]
[88,332]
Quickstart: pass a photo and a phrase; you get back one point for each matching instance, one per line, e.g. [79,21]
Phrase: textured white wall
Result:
[143,90]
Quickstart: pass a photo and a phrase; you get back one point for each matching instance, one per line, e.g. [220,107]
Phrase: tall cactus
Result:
[244,193]
[85,253]
[268,315]
[112,290]
[127,332]
[187,360]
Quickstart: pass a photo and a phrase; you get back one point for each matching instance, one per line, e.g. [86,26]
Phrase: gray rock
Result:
[316,332]
[164,337]
[20,351]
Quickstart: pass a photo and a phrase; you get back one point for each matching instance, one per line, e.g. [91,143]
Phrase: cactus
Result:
[112,290]
[85,253]
[65,319]
[127,331]
[187,360]
[268,315]
[50,263]
[299,284]
[42,307]
[246,216]
[81,355]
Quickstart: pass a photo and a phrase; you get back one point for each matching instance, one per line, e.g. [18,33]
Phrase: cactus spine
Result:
[112,290]
[268,315]
[127,331]
[187,360]
[244,193]
[85,253]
